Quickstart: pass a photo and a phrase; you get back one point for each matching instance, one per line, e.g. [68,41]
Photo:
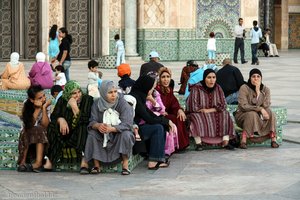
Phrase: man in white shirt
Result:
[239,32]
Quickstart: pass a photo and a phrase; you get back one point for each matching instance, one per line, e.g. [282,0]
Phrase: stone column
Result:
[105,28]
[284,24]
[44,26]
[131,28]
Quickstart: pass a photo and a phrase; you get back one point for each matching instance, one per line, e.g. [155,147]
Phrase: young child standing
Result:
[211,48]
[120,49]
[93,77]
[60,77]
[35,117]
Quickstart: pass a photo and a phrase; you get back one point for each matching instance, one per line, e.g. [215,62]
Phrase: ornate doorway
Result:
[78,24]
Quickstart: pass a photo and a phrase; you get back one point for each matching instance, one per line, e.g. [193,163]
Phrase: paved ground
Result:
[256,173]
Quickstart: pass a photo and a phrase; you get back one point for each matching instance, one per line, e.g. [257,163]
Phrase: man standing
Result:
[153,65]
[239,32]
[230,79]
[255,35]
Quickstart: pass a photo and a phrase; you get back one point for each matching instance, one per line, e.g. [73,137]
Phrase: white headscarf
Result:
[40,57]
[14,59]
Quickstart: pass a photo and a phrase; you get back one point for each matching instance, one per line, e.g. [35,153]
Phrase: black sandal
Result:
[243,145]
[199,147]
[158,165]
[125,172]
[274,144]
[84,170]
[95,170]
[24,168]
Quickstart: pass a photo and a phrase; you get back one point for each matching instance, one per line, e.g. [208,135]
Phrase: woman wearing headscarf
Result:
[14,77]
[254,115]
[68,127]
[154,127]
[173,110]
[206,107]
[110,138]
[41,72]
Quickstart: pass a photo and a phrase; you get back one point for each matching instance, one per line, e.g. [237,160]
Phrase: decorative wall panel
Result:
[55,11]
[181,44]
[219,16]
[77,23]
[154,13]
[115,13]
[5,29]
[31,28]
[294,30]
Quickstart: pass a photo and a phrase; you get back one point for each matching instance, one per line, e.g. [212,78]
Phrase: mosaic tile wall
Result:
[294,29]
[218,16]
[181,44]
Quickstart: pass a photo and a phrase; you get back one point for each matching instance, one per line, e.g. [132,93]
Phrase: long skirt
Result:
[118,144]
[183,135]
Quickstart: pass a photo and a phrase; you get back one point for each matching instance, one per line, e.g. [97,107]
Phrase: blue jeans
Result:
[157,136]
[211,54]
[254,53]
[67,64]
[232,98]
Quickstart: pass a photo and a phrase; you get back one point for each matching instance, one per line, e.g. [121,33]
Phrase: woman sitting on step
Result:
[254,115]
[33,137]
[206,108]
[67,129]
[110,138]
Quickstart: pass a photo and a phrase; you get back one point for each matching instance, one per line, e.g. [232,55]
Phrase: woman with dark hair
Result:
[154,127]
[64,57]
[68,127]
[206,107]
[53,48]
[254,115]
[35,117]
[173,110]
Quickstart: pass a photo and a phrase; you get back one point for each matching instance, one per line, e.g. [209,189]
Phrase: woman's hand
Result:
[105,128]
[72,102]
[47,104]
[151,99]
[172,126]
[63,126]
[265,114]
[181,115]
[38,103]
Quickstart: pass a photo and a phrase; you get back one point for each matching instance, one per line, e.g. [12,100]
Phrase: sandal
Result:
[125,171]
[199,147]
[274,144]
[84,170]
[243,145]
[24,168]
[160,164]
[228,147]
[95,170]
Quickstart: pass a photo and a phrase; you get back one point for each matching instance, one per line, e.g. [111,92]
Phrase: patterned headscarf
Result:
[14,58]
[70,87]
[164,90]
[103,103]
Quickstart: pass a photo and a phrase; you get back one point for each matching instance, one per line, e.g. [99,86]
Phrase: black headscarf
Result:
[142,86]
[205,74]
[250,85]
